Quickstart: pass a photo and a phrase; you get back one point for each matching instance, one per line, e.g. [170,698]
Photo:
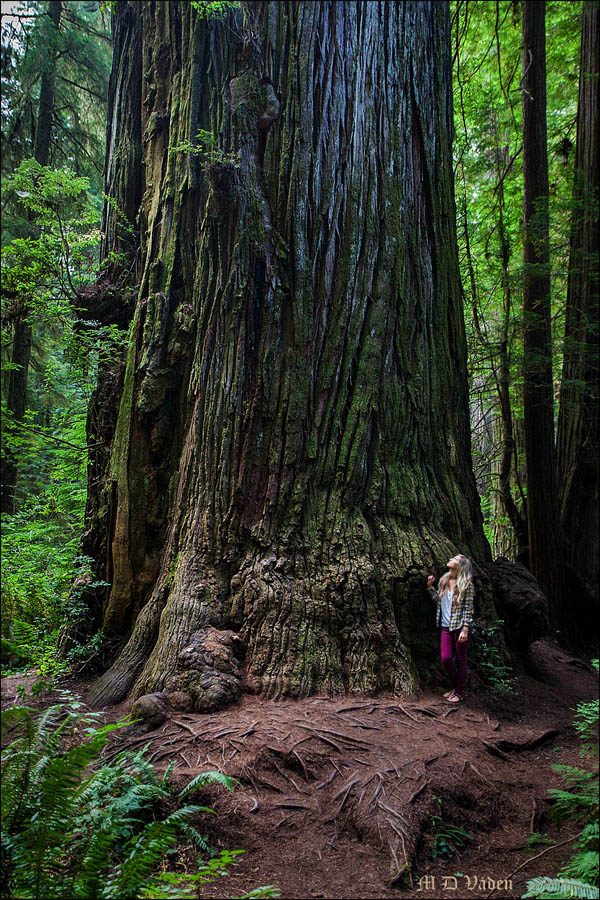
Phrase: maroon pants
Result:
[454,658]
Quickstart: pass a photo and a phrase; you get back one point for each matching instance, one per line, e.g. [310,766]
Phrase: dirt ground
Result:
[341,798]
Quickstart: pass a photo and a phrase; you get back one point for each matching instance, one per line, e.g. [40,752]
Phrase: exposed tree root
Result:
[355,769]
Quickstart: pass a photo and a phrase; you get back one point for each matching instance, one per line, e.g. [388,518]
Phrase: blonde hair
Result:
[463,579]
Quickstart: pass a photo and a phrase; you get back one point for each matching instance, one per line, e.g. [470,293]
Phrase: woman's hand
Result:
[464,635]
[430,581]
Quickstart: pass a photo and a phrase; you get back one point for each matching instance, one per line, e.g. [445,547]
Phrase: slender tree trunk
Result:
[292,446]
[508,462]
[578,438]
[16,403]
[43,131]
[545,547]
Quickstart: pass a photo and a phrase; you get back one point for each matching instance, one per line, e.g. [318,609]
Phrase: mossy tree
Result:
[286,448]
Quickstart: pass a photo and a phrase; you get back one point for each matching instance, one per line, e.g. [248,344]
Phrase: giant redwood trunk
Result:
[292,443]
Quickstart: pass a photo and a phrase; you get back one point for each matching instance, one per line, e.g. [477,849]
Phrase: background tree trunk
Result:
[292,446]
[43,131]
[16,404]
[578,435]
[545,545]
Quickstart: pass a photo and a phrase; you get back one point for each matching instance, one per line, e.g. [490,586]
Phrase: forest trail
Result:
[337,797]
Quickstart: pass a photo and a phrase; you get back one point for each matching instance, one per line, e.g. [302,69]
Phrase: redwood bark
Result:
[578,432]
[545,545]
[292,446]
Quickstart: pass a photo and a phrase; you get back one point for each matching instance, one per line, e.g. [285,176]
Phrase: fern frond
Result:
[590,836]
[267,890]
[204,778]
[193,835]
[74,827]
[144,852]
[560,888]
[584,866]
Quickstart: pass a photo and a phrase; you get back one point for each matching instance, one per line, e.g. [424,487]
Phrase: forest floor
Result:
[338,796]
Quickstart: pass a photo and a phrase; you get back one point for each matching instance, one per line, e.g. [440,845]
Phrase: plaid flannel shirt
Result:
[461,613]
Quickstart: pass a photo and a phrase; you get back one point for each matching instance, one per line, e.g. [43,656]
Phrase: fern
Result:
[143,852]
[557,888]
[581,801]
[536,838]
[38,794]
[205,778]
[585,864]
[577,802]
[266,891]
[74,827]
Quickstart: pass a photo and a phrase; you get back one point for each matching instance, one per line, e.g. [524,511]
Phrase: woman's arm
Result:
[431,590]
[468,606]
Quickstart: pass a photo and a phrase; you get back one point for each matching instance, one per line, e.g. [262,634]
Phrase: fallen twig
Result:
[187,727]
[483,778]
[532,858]
[301,761]
[249,730]
[346,791]
[418,791]
[428,711]
[406,713]
[494,750]
[185,759]
[328,780]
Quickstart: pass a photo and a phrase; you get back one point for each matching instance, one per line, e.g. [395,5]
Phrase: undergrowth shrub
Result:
[75,826]
[498,677]
[448,839]
[577,802]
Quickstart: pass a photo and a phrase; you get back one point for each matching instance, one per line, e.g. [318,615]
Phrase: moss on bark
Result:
[301,330]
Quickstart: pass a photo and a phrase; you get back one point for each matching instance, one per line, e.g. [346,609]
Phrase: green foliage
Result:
[267,890]
[584,863]
[557,888]
[486,45]
[40,561]
[536,838]
[448,839]
[489,659]
[587,716]
[578,803]
[81,52]
[73,826]
[50,268]
[213,9]
[43,275]
[205,778]
[206,149]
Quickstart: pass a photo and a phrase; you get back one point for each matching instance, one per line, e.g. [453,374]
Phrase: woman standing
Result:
[455,612]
